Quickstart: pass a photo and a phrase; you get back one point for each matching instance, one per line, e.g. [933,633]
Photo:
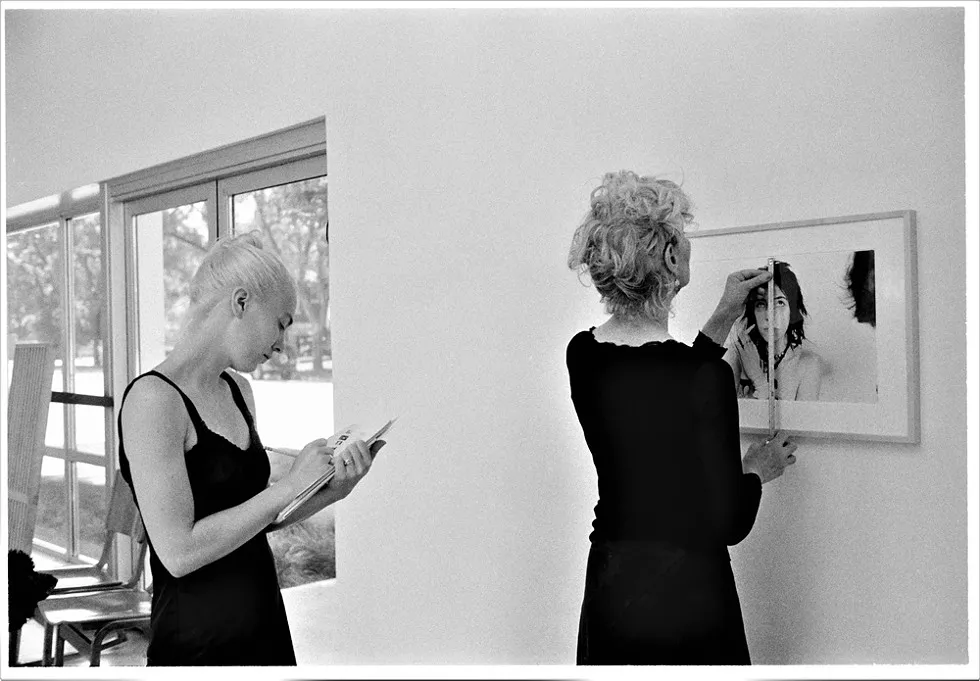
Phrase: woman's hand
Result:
[769,458]
[309,465]
[737,288]
[335,490]
[351,464]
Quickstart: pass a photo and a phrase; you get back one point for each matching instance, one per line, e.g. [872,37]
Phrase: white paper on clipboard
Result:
[338,440]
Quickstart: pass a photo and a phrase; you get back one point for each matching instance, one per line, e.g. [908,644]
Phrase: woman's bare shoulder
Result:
[152,401]
[809,358]
[154,390]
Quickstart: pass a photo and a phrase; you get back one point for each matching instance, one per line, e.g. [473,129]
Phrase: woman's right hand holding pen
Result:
[311,463]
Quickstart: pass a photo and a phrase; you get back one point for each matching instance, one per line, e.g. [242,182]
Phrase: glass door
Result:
[288,205]
[168,234]
[293,390]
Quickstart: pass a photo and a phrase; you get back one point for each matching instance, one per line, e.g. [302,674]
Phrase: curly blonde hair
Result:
[621,242]
[233,261]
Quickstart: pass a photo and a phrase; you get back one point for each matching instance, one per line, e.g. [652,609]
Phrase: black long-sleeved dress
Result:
[229,612]
[661,421]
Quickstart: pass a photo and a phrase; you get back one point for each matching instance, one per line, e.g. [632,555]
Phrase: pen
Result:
[281,451]
[292,455]
[343,437]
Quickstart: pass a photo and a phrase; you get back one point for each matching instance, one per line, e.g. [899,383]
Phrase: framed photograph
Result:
[844,324]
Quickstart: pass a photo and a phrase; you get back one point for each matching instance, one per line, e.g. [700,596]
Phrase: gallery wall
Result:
[462,147]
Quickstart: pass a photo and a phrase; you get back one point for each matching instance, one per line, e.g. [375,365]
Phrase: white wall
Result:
[462,146]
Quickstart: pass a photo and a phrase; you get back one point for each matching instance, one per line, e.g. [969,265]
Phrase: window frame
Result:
[214,175]
[295,143]
[202,176]
[294,171]
[277,156]
[291,154]
[60,211]
[130,211]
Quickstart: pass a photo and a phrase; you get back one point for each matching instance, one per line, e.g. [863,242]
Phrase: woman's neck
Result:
[196,362]
[633,331]
[781,343]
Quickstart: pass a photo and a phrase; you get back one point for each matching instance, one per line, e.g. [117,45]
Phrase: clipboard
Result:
[341,437]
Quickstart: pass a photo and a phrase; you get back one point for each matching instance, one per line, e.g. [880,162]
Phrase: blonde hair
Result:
[621,243]
[232,262]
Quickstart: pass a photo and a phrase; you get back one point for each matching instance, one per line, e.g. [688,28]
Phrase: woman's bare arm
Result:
[155,423]
[319,501]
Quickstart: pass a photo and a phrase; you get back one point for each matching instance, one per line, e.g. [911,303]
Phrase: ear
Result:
[239,301]
[670,258]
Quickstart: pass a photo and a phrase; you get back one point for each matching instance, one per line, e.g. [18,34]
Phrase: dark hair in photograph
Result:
[859,282]
[785,279]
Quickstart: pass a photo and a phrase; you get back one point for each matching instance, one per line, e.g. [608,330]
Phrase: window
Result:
[57,292]
[169,214]
[294,390]
[102,273]
[170,233]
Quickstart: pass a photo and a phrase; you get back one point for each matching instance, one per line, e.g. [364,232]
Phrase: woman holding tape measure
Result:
[189,448]
[661,420]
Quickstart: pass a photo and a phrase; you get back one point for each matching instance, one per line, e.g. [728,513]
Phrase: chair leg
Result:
[14,647]
[59,648]
[75,637]
[47,645]
[98,640]
[96,656]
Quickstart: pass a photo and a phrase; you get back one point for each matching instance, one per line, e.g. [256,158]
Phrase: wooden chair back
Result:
[123,517]
[28,401]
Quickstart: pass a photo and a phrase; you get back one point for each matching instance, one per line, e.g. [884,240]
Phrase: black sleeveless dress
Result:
[229,612]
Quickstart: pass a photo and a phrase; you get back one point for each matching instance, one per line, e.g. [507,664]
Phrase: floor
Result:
[132,653]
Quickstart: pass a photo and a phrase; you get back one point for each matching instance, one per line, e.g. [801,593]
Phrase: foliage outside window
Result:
[294,392]
[293,219]
[38,266]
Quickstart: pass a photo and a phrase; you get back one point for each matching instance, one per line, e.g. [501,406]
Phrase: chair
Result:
[80,587]
[122,517]
[85,621]
[28,401]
